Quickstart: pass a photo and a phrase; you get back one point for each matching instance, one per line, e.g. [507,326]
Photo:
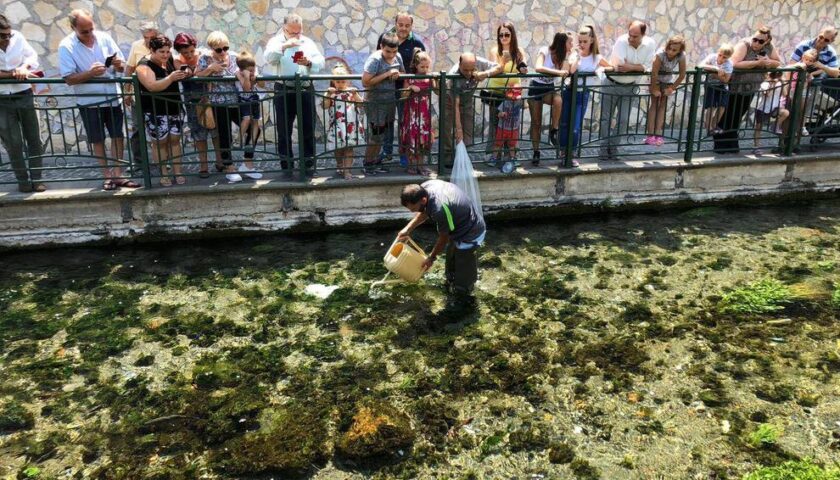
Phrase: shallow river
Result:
[679,344]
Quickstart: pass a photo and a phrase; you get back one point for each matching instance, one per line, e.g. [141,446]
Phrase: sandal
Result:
[220,168]
[180,180]
[109,185]
[124,182]
[203,174]
[348,175]
[165,182]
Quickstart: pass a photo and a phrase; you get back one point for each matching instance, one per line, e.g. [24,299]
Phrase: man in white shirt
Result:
[632,52]
[86,55]
[19,125]
[286,54]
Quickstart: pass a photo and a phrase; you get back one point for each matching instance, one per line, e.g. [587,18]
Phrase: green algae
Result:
[183,364]
[794,470]
[14,417]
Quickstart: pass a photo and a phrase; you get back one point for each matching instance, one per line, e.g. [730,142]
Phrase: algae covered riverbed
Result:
[698,344]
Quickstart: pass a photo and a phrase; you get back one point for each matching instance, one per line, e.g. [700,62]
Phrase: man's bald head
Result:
[466,64]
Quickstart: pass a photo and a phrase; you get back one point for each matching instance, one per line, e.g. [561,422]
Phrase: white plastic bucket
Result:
[405,260]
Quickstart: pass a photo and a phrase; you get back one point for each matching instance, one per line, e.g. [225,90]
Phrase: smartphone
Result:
[297,56]
[185,68]
[110,60]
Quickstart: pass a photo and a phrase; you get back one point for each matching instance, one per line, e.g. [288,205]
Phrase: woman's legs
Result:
[535,109]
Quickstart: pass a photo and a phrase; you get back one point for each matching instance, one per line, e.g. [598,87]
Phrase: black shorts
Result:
[97,119]
[715,96]
[538,90]
[250,107]
[763,117]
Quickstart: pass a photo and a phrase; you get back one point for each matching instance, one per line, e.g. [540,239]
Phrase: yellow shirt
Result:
[498,83]
[138,51]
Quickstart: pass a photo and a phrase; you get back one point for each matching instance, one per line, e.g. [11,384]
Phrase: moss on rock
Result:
[377,430]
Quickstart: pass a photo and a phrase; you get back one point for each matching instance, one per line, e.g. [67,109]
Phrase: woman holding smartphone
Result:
[511,57]
[160,99]
[221,62]
[187,47]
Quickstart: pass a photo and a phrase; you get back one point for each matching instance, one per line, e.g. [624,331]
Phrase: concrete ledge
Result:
[85,216]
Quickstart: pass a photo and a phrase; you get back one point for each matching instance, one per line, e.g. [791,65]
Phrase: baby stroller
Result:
[822,121]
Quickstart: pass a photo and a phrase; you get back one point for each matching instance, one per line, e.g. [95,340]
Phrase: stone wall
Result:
[347,29]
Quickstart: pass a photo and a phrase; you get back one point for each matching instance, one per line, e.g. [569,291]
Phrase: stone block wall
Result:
[347,29]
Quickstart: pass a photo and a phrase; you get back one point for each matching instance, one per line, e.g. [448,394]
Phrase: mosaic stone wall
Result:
[347,29]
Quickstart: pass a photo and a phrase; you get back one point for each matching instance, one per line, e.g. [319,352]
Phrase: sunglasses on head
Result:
[504,35]
[6,36]
[759,41]
[221,49]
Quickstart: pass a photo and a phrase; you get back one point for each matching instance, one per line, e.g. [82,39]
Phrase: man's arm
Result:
[440,245]
[418,219]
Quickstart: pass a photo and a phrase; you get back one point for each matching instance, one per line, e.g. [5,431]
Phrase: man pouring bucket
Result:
[460,227]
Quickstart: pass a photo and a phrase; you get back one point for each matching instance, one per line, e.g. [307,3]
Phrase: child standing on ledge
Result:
[345,130]
[416,135]
[249,109]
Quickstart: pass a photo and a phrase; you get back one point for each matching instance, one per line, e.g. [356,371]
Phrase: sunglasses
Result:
[822,37]
[759,41]
[504,35]
[6,36]
[221,49]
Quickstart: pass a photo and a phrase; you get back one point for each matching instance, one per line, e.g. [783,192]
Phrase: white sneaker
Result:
[233,177]
[805,132]
[250,173]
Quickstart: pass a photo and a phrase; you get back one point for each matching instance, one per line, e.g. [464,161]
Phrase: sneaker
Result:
[778,130]
[659,141]
[379,168]
[491,161]
[575,163]
[552,137]
[250,173]
[403,160]
[233,177]
[369,169]
[805,132]
[650,140]
[535,160]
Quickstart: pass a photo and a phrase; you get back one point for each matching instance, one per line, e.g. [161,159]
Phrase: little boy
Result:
[717,91]
[249,109]
[507,131]
[771,104]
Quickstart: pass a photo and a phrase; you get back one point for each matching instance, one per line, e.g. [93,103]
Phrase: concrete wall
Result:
[74,217]
[347,29]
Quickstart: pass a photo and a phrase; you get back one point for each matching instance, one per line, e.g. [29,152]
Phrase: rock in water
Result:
[378,429]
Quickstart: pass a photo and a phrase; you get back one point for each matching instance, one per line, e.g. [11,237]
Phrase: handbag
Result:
[204,114]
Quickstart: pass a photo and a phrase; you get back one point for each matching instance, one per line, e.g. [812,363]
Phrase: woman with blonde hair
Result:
[224,98]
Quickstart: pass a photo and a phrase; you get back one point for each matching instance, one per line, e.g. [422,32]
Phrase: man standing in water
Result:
[460,229]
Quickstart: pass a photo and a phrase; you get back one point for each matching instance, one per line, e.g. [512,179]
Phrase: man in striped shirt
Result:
[827,55]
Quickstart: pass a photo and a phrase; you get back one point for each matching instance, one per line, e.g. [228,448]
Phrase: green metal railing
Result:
[588,129]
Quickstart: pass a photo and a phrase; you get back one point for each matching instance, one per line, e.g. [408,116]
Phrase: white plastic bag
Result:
[464,177]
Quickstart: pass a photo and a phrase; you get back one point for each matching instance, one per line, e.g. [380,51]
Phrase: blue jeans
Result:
[581,102]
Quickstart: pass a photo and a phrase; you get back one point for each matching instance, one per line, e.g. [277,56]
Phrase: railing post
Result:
[442,122]
[300,127]
[692,115]
[572,122]
[793,125]
[141,133]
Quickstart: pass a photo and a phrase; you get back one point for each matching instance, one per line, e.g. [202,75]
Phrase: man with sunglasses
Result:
[19,125]
[824,91]
[289,53]
[88,54]
[827,55]
[753,56]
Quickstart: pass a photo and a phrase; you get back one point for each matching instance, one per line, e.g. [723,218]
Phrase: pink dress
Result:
[416,129]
